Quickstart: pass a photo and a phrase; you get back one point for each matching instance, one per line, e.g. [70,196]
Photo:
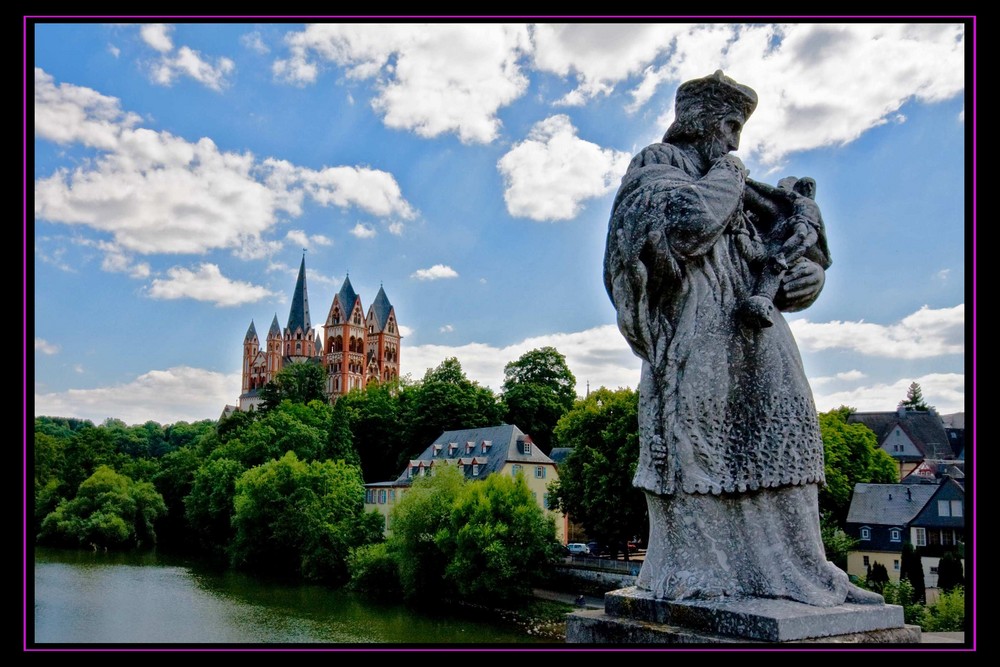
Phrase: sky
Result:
[181,170]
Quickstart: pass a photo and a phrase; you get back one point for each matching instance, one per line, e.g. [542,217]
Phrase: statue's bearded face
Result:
[724,137]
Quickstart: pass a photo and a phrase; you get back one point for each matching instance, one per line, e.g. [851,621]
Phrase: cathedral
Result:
[354,349]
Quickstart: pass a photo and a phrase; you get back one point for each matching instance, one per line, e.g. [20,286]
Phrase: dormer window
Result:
[452,446]
[475,469]
[469,446]
[486,445]
[866,533]
[894,534]
[527,447]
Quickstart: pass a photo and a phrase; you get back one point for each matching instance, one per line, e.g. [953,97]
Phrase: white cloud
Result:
[362,232]
[166,396]
[114,50]
[482,281]
[78,368]
[923,334]
[405,331]
[599,355]
[436,272]
[549,175]
[599,55]
[186,61]
[206,284]
[157,36]
[254,42]
[74,114]
[942,275]
[430,79]
[846,376]
[945,391]
[45,347]
[446,329]
[300,238]
[396,228]
[158,193]
[819,84]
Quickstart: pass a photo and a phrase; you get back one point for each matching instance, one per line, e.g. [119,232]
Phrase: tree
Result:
[912,570]
[915,399]
[877,578]
[296,517]
[836,542]
[444,400]
[500,542]
[595,480]
[375,419]
[950,571]
[538,389]
[109,510]
[209,505]
[421,524]
[299,383]
[852,457]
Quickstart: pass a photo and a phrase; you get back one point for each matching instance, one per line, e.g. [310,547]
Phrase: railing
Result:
[604,564]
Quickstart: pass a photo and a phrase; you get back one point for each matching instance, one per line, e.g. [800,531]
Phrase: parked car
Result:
[596,549]
[578,549]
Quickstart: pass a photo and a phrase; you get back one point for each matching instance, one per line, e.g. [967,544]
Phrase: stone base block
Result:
[632,615]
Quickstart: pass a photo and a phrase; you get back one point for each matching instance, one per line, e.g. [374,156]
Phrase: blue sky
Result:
[181,169]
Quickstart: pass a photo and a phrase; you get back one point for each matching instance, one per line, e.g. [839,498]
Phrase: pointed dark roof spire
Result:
[275,328]
[251,333]
[381,308]
[298,315]
[347,296]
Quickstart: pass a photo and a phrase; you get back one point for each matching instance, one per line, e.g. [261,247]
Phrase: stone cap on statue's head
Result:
[715,90]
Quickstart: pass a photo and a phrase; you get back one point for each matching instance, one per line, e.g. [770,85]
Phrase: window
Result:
[934,569]
[475,469]
[866,561]
[527,447]
[944,508]
[514,469]
[894,534]
[539,472]
[545,501]
[866,533]
[381,497]
[369,496]
[895,564]
[956,508]
[392,495]
[920,536]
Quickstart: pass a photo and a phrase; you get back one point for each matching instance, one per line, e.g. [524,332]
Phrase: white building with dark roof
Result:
[478,453]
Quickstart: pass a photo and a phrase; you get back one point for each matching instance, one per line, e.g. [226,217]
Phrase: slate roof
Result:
[381,307]
[925,429]
[939,470]
[347,296]
[888,504]
[559,454]
[505,445]
[275,329]
[298,314]
[251,333]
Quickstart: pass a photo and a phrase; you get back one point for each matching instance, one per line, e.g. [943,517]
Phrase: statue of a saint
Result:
[731,457]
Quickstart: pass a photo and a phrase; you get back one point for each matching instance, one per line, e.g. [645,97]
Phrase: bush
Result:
[948,613]
[373,571]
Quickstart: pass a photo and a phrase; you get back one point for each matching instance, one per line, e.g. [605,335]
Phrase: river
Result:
[82,597]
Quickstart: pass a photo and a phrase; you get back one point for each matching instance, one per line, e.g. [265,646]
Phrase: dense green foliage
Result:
[109,510]
[877,577]
[950,573]
[912,571]
[836,542]
[595,480]
[298,383]
[483,540]
[538,389]
[852,456]
[296,517]
[947,614]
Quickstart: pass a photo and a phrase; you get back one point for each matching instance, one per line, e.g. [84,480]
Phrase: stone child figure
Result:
[796,233]
[730,452]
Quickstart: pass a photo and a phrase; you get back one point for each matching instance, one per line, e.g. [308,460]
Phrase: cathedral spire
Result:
[251,333]
[275,330]
[298,315]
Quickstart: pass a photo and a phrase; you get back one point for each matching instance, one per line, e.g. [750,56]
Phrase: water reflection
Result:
[86,597]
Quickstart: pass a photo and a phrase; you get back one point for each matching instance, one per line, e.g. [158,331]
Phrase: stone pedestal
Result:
[633,616]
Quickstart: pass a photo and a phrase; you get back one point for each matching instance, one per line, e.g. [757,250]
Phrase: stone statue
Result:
[731,457]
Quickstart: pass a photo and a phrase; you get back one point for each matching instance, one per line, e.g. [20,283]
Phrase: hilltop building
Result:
[354,348]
